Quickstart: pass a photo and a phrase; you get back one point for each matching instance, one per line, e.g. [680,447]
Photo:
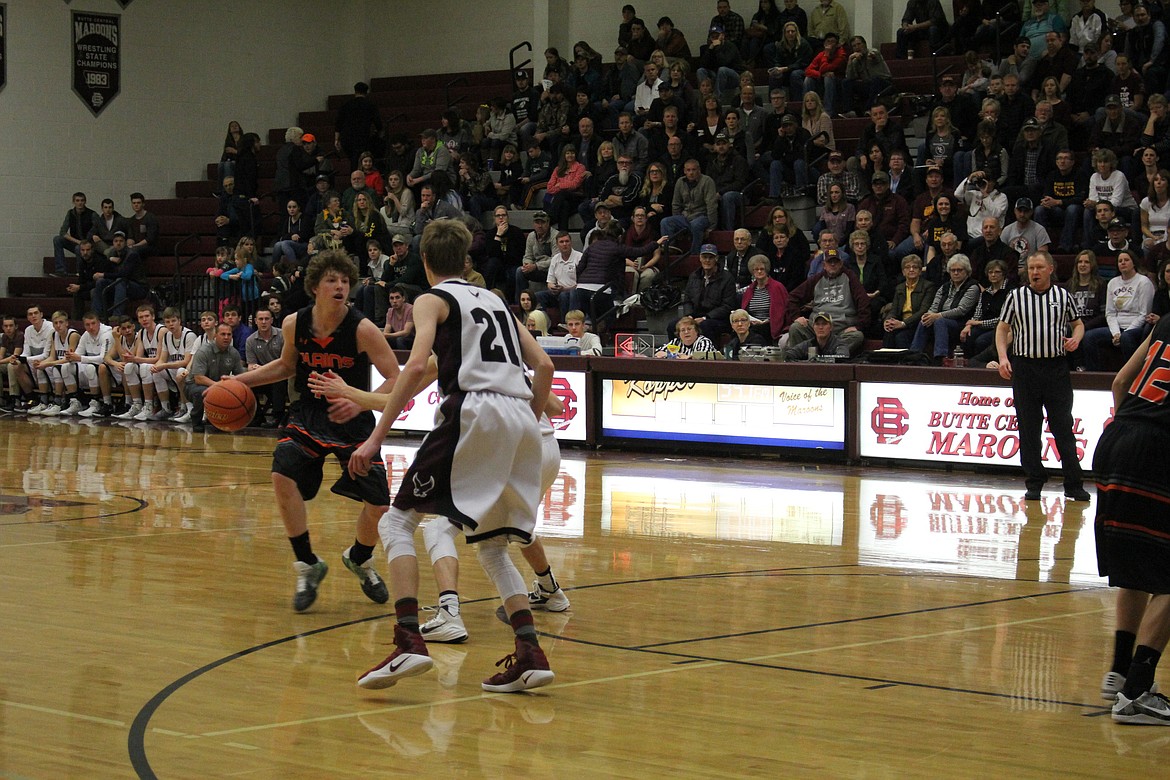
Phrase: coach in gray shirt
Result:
[214,360]
[262,347]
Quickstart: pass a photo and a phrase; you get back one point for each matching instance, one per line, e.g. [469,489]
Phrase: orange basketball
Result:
[229,404]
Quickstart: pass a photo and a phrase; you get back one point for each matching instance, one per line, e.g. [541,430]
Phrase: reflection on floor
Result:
[961,523]
[822,619]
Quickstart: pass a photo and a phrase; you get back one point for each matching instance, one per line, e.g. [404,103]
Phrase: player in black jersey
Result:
[328,336]
[1132,466]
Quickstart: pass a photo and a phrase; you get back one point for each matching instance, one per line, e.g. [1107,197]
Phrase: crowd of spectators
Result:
[1049,138]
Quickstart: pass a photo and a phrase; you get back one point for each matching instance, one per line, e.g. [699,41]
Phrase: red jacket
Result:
[824,63]
[777,306]
[573,180]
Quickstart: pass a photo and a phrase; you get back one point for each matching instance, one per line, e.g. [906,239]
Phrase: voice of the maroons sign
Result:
[97,58]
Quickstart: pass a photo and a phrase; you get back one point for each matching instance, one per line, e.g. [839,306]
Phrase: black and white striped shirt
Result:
[1039,321]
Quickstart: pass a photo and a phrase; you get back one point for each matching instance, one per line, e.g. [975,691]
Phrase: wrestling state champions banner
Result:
[3,45]
[964,424]
[97,58]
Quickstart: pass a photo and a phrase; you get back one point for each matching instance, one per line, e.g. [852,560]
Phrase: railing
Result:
[447,91]
[513,65]
[177,294]
[194,290]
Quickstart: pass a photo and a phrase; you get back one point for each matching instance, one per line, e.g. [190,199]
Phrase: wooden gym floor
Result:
[729,618]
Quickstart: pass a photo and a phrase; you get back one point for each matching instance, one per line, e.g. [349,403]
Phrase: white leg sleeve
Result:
[87,375]
[159,380]
[439,534]
[493,557]
[131,376]
[68,375]
[397,531]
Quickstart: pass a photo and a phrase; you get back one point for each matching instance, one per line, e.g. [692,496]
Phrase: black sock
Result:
[1141,672]
[302,548]
[360,553]
[1123,642]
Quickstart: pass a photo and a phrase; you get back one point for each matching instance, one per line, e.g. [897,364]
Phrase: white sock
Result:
[451,602]
[548,583]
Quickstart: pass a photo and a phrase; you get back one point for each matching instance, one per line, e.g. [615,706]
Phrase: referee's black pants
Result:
[1039,385]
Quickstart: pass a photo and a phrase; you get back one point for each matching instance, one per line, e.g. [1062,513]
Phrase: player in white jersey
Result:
[138,363]
[175,356]
[62,373]
[479,467]
[36,349]
[440,533]
[89,356]
[207,322]
[118,361]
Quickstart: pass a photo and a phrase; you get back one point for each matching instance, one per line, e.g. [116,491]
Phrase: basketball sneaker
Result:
[372,584]
[539,598]
[163,413]
[524,669]
[446,627]
[145,414]
[1112,684]
[53,410]
[409,658]
[131,413]
[1149,709]
[183,417]
[309,576]
[74,407]
[91,410]
[39,408]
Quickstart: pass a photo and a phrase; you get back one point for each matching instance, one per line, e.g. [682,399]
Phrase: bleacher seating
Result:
[410,104]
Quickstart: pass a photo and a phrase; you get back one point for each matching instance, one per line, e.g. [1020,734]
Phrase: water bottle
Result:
[959,361]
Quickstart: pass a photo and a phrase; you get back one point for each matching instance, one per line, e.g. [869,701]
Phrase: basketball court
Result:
[730,618]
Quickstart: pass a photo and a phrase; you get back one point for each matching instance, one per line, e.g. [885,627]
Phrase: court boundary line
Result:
[142,504]
[136,739]
[708,662]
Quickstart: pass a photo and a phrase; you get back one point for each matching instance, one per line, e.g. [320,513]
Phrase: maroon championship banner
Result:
[97,58]
[3,45]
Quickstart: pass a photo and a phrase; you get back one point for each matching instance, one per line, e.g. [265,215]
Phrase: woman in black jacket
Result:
[503,253]
[778,219]
[602,268]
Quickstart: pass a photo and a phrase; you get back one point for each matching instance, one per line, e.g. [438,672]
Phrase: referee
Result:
[1033,321]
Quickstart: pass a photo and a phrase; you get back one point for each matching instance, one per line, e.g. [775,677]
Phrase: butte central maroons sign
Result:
[964,423]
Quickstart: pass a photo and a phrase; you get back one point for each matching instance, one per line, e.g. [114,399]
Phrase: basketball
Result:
[229,405]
